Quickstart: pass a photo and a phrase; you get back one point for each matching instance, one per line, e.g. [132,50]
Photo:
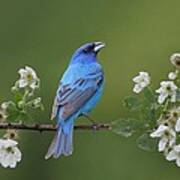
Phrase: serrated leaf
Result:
[126,127]
[146,143]
[132,103]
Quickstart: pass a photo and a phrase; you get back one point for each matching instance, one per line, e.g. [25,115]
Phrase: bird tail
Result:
[62,143]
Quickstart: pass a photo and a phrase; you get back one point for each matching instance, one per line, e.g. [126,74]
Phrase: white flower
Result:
[177,126]
[174,154]
[172,75]
[175,60]
[28,78]
[9,153]
[167,137]
[167,89]
[141,81]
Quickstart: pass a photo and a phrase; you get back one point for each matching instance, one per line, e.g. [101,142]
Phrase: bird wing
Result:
[71,97]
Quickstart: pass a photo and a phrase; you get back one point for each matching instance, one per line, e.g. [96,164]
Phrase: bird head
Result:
[87,52]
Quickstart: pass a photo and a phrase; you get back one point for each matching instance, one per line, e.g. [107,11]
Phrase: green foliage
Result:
[145,142]
[23,104]
[149,95]
[132,103]
[145,111]
[24,97]
[126,127]
[144,108]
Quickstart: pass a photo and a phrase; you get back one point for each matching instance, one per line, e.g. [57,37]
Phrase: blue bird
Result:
[79,91]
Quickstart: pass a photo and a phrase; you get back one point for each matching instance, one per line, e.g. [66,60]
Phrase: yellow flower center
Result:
[29,77]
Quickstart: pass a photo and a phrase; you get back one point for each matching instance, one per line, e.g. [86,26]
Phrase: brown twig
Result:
[49,127]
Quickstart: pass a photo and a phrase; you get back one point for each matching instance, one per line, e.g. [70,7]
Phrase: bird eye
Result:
[86,50]
[89,48]
[93,46]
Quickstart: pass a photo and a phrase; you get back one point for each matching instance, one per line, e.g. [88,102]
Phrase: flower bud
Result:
[14,89]
[172,75]
[21,104]
[11,134]
[37,102]
[175,60]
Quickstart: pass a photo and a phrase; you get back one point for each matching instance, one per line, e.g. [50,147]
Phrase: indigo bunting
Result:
[79,91]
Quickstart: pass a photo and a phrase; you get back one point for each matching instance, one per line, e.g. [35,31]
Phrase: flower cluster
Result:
[24,94]
[167,132]
[167,100]
[17,110]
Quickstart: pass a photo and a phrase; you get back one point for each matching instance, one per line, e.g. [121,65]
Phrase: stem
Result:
[165,106]
[25,95]
[49,127]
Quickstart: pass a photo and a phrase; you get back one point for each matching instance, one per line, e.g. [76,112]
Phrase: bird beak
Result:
[98,46]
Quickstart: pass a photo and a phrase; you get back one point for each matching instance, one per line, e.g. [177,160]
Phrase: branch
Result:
[49,127]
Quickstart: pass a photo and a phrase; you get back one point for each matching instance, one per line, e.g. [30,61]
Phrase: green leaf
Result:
[18,96]
[149,107]
[132,103]
[23,117]
[149,95]
[146,143]
[126,127]
[10,107]
[13,116]
[11,111]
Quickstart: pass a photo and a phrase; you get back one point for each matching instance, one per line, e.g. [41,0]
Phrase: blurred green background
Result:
[140,35]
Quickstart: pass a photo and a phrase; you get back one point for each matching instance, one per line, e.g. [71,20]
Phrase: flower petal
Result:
[22,83]
[177,126]
[22,73]
[159,131]
[137,88]
[162,144]
[178,162]
[177,148]
[162,98]
[171,156]
[31,71]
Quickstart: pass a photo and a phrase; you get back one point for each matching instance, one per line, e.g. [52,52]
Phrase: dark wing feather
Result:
[71,97]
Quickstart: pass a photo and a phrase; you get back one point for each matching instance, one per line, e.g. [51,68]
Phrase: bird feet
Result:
[95,125]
